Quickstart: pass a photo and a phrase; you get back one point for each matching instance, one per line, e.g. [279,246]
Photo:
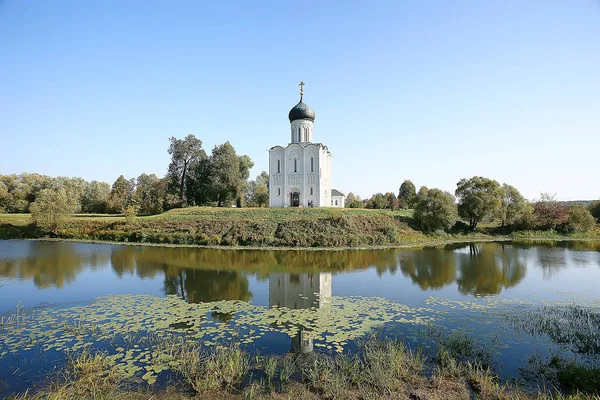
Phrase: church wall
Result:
[301,130]
[277,179]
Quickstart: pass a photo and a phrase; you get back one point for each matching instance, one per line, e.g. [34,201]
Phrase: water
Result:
[475,288]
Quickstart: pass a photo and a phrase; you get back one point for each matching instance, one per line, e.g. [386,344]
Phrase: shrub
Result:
[579,220]
[436,210]
[51,209]
[595,210]
[548,213]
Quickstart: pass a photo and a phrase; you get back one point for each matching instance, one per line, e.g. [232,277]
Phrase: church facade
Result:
[300,173]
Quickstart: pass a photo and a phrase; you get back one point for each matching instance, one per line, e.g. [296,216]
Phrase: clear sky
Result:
[434,91]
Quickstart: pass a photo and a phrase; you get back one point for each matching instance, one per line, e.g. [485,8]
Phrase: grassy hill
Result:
[257,227]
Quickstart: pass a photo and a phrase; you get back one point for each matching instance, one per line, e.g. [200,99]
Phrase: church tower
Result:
[300,173]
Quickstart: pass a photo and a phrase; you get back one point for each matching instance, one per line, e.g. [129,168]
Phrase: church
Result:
[300,173]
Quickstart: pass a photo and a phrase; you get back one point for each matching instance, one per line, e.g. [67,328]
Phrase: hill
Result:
[256,227]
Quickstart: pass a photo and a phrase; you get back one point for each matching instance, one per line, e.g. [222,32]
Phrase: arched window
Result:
[311,191]
[312,164]
[278,166]
[278,191]
[295,165]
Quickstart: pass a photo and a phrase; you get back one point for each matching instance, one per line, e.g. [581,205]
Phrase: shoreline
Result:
[434,243]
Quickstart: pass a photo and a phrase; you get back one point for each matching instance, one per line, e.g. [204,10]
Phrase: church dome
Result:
[301,111]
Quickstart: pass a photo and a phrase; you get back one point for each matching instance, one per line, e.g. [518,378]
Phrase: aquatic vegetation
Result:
[135,325]
[573,326]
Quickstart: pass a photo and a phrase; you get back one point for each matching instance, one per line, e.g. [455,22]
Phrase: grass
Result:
[265,228]
[382,369]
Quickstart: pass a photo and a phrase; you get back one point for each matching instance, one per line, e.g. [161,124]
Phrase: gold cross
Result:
[301,84]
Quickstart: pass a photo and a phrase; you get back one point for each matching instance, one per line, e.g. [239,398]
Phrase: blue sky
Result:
[434,91]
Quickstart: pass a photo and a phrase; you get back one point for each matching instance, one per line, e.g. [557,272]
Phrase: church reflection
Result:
[300,291]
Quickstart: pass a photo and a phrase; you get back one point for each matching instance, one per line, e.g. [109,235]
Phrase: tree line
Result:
[193,178]
[482,200]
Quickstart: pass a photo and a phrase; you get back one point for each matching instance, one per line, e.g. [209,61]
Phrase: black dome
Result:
[301,111]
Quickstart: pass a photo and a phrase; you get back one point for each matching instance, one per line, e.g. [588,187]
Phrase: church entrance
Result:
[295,199]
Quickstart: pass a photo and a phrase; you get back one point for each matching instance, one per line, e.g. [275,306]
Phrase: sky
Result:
[432,91]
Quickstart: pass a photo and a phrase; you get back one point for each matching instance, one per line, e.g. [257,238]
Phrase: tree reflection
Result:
[52,264]
[487,269]
[428,268]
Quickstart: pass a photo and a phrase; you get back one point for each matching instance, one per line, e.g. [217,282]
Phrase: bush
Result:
[595,210]
[549,214]
[51,209]
[436,210]
[579,220]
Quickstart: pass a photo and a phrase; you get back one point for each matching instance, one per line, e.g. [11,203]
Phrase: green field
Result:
[259,227]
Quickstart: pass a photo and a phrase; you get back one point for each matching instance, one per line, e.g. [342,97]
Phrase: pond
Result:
[513,298]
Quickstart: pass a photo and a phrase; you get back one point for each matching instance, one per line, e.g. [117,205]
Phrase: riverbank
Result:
[265,229]
[382,369]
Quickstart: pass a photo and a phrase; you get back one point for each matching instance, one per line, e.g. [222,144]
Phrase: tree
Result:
[548,213]
[96,197]
[228,174]
[51,209]
[579,220]
[121,194]
[479,199]
[391,200]
[184,154]
[514,207]
[435,210]
[422,193]
[349,199]
[245,165]
[149,196]
[261,195]
[355,204]
[594,209]
[407,194]
[257,191]
[4,198]
[377,202]
[199,183]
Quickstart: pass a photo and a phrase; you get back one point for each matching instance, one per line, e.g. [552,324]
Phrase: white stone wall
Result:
[301,131]
[338,201]
[299,167]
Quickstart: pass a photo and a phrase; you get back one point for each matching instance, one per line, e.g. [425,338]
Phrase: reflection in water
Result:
[428,268]
[297,291]
[489,268]
[51,264]
[214,274]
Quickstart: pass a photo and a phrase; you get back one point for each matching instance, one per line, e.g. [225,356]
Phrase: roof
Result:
[301,111]
[335,192]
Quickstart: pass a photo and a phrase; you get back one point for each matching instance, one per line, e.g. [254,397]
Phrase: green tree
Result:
[514,208]
[479,199]
[594,209]
[355,204]
[51,209]
[96,197]
[350,198]
[261,195]
[391,200]
[407,194]
[4,198]
[421,194]
[377,202]
[121,194]
[257,191]
[435,210]
[184,154]
[149,194]
[228,174]
[580,220]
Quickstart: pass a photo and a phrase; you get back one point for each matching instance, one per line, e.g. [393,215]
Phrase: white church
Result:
[300,174]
